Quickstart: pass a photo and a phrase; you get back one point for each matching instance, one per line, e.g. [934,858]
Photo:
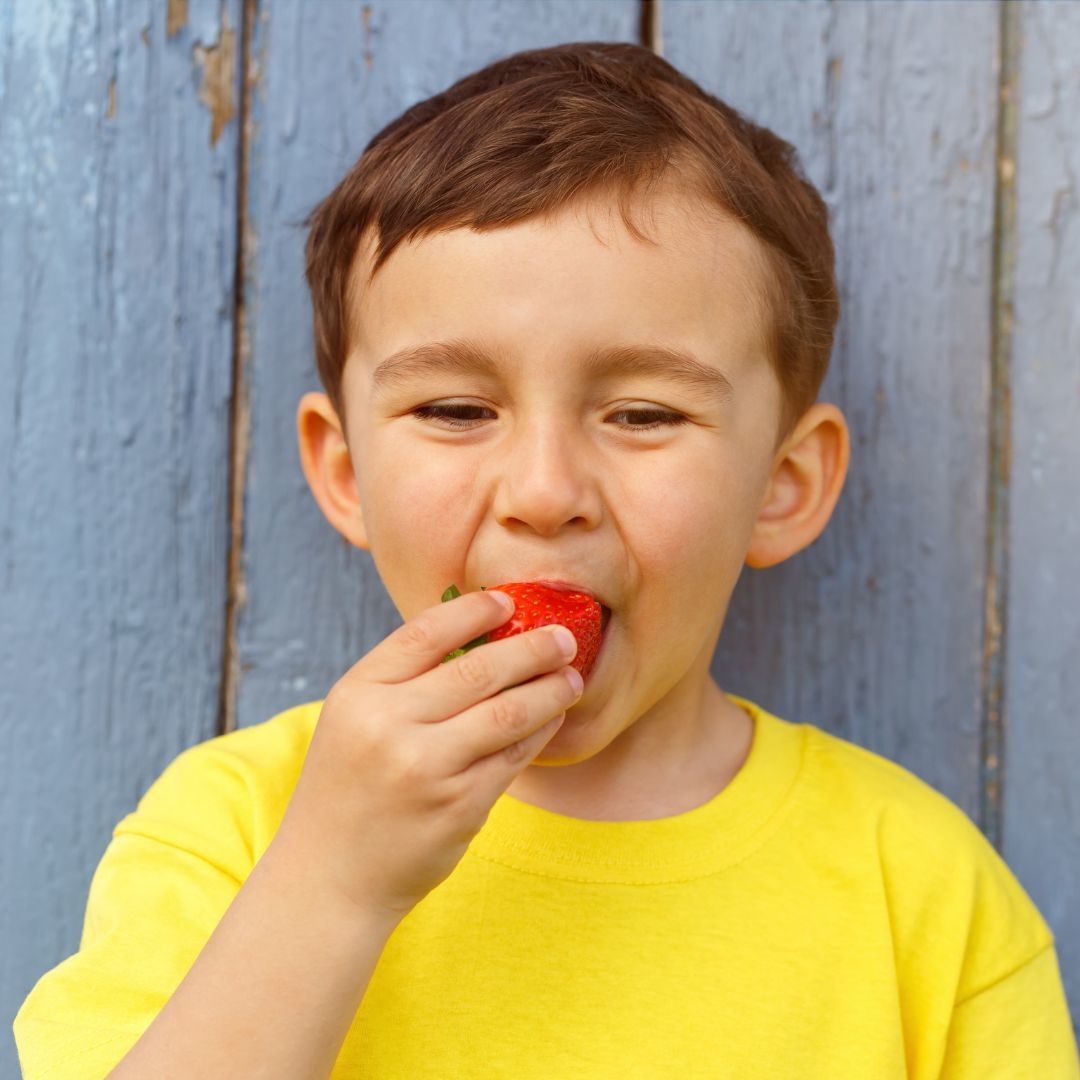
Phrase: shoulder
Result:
[945,884]
[878,786]
[238,783]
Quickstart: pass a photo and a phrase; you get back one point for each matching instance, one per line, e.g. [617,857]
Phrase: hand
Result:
[410,754]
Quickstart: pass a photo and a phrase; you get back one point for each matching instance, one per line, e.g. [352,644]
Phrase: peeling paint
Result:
[992,635]
[144,33]
[365,18]
[111,113]
[176,19]
[218,63]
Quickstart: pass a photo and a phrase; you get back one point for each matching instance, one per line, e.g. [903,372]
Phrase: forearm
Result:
[275,988]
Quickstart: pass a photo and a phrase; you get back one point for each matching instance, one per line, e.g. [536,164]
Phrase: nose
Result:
[546,478]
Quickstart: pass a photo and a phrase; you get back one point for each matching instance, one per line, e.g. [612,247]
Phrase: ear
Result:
[807,477]
[324,457]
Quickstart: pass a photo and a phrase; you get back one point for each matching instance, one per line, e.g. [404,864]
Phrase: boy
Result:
[476,868]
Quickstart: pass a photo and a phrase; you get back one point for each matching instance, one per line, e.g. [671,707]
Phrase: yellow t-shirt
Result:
[827,915]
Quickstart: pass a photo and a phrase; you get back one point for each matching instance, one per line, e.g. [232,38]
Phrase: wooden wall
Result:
[165,574]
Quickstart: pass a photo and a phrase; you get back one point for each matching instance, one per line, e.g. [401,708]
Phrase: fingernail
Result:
[506,601]
[577,683]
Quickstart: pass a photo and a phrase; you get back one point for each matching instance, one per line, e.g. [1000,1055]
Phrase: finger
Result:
[420,645]
[489,777]
[501,727]
[483,672]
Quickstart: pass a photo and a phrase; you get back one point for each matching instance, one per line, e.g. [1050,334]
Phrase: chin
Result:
[568,745]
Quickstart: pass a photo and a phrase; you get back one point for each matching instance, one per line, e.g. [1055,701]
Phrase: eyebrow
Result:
[658,361]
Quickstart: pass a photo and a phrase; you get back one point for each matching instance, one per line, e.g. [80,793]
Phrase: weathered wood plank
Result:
[116,274]
[875,631]
[329,76]
[1042,686]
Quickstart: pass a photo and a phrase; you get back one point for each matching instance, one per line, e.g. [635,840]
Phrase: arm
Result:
[275,988]
[1017,1027]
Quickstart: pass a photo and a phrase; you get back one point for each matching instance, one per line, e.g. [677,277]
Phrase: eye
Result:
[447,413]
[666,419]
[429,412]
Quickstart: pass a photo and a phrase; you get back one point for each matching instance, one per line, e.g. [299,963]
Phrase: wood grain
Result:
[116,281]
[1041,811]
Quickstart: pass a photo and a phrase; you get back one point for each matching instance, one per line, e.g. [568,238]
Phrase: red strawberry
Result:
[539,605]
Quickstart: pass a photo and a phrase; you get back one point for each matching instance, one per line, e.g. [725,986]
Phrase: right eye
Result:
[428,412]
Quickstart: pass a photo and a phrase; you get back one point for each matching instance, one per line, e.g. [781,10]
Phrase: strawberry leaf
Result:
[451,594]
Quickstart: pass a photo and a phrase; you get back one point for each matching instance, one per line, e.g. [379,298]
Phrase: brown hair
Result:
[530,133]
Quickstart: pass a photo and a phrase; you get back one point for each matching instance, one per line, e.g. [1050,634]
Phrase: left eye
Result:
[447,413]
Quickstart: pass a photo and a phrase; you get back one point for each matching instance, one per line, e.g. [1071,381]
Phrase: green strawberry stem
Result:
[450,594]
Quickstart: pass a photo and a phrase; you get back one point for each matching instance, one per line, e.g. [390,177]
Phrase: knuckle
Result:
[456,791]
[516,752]
[510,717]
[565,692]
[460,811]
[543,645]
[365,733]
[347,708]
[418,635]
[474,669]
[408,763]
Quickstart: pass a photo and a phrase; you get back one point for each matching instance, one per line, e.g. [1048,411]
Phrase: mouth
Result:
[567,586]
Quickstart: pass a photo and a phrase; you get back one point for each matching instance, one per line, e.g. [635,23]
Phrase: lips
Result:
[565,586]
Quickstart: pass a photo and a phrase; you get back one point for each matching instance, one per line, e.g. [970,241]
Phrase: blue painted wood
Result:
[117,223]
[1042,687]
[875,631]
[329,76]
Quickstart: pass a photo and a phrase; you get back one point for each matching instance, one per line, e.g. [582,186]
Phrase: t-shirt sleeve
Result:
[168,875]
[1018,1027]
[980,991]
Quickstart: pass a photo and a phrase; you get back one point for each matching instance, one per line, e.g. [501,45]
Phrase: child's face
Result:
[550,480]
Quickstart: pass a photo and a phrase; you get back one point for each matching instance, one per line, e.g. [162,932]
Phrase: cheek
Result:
[416,497]
[417,513]
[689,539]
[693,514]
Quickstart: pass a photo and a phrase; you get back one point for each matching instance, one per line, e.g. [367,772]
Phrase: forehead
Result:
[576,282]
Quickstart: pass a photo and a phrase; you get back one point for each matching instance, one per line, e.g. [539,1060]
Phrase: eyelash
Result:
[668,419]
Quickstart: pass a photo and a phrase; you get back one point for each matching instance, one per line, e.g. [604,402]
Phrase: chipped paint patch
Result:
[176,19]
[365,18]
[218,63]
[111,113]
